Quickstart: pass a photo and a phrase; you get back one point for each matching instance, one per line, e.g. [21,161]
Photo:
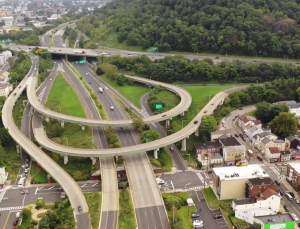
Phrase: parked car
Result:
[195,122]
[164,115]
[297,201]
[236,135]
[194,215]
[16,221]
[291,193]
[79,208]
[294,216]
[112,108]
[205,112]
[218,216]
[259,158]
[286,208]
[277,182]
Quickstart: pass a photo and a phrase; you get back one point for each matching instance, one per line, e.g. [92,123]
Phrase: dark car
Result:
[240,108]
[287,208]
[195,122]
[236,135]
[164,115]
[194,215]
[277,182]
[280,192]
[209,172]
[16,221]
[292,194]
[259,158]
[79,208]
[217,216]
[15,94]
[205,112]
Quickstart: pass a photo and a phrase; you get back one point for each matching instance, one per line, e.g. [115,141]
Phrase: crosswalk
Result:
[2,195]
[41,95]
[200,177]
[194,188]
[12,208]
[143,112]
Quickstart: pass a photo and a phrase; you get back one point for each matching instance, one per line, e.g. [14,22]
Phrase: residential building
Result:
[234,155]
[230,182]
[285,155]
[5,89]
[252,131]
[295,109]
[255,186]
[2,177]
[229,141]
[267,203]
[291,142]
[293,175]
[260,136]
[267,143]
[4,77]
[272,154]
[209,153]
[246,123]
[5,13]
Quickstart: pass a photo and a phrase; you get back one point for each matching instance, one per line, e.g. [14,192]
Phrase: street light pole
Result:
[182,123]
[67,141]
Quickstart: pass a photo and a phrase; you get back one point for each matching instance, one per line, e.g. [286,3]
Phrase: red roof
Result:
[274,150]
[256,122]
[244,118]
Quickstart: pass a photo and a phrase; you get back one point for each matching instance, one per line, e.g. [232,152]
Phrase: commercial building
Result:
[293,175]
[225,178]
[209,153]
[275,221]
[272,154]
[2,177]
[234,155]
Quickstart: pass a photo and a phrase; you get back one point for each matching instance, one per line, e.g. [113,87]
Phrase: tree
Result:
[150,135]
[111,71]
[208,125]
[40,203]
[123,184]
[262,112]
[284,124]
[26,214]
[78,175]
[11,61]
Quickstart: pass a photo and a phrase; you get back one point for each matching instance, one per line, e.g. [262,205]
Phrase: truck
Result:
[101,89]
[79,51]
[250,152]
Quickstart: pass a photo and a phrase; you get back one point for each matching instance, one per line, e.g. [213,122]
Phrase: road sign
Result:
[158,106]
[8,40]
[82,62]
[3,41]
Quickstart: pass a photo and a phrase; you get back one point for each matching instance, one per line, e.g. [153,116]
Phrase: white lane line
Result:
[51,187]
[11,208]
[83,185]
[172,185]
[94,184]
[200,177]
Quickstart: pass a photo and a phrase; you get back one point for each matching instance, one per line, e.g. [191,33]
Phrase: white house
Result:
[4,56]
[2,177]
[267,204]
[260,136]
[285,155]
[273,154]
[5,89]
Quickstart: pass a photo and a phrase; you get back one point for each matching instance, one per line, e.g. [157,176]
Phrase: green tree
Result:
[262,112]
[11,61]
[150,135]
[123,184]
[208,125]
[26,214]
[284,124]
[111,71]
[78,175]
[40,203]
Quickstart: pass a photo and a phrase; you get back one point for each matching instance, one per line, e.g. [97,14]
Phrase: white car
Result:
[112,108]
[86,73]
[197,223]
[294,216]
[104,53]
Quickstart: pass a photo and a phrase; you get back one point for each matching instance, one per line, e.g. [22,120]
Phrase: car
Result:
[236,135]
[26,165]
[15,94]
[218,216]
[195,122]
[194,215]
[16,221]
[277,182]
[86,73]
[171,149]
[205,112]
[212,104]
[298,224]
[24,192]
[35,69]
[297,201]
[164,115]
[292,194]
[240,108]
[50,79]
[210,171]
[112,108]
[280,192]
[285,164]
[89,82]
[26,170]
[18,215]
[27,159]
[79,208]
[286,208]
[259,158]
[294,216]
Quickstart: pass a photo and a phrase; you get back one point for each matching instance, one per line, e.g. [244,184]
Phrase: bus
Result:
[101,89]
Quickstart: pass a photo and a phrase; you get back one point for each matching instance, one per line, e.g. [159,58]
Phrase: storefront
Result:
[241,163]
[296,156]
[230,163]
[273,160]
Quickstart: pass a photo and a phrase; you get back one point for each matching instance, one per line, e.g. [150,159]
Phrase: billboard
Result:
[284,225]
[158,106]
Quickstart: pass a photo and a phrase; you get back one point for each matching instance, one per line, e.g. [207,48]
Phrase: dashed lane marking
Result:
[12,208]
[194,188]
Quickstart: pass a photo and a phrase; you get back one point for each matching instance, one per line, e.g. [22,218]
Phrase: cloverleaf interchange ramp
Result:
[183,106]
[62,177]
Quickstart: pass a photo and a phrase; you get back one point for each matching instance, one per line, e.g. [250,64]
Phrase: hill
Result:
[249,27]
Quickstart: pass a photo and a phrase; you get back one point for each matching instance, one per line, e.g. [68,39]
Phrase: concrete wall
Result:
[233,189]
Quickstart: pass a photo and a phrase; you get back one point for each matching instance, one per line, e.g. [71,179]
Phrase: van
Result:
[288,196]
[18,215]
[190,202]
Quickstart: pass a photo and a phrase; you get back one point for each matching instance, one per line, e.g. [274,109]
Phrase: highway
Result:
[69,185]
[147,200]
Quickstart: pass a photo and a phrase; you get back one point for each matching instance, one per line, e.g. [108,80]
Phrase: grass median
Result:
[94,202]
[126,218]
[18,110]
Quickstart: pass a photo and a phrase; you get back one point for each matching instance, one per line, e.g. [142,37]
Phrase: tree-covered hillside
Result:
[251,27]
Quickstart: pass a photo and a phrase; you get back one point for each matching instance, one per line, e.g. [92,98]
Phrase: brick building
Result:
[255,186]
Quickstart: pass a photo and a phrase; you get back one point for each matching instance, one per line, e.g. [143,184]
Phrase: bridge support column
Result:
[65,159]
[47,119]
[167,123]
[183,145]
[155,155]
[93,160]
[82,127]
[117,157]
[197,133]
[66,57]
[18,149]
[62,124]
[182,114]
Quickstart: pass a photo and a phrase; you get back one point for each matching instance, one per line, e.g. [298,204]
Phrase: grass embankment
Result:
[19,110]
[99,106]
[62,98]
[126,218]
[132,93]
[170,98]
[94,202]
[213,203]
[176,204]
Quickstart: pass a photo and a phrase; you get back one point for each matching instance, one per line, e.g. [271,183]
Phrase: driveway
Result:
[221,222]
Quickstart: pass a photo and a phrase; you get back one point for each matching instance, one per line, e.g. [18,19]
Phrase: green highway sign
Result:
[3,41]
[158,106]
[82,62]
[8,40]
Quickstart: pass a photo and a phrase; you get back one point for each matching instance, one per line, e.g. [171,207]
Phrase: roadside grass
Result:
[132,93]
[251,113]
[170,98]
[10,159]
[40,177]
[126,218]
[33,168]
[96,101]
[94,202]
[18,110]
[213,203]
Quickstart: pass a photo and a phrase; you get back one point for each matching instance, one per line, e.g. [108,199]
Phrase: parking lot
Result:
[221,222]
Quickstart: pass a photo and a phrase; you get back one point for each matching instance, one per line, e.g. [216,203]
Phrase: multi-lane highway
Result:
[69,185]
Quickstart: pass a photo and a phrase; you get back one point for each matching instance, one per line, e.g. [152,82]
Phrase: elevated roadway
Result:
[63,178]
[183,106]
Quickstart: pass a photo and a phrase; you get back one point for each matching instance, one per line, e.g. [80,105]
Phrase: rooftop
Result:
[256,182]
[291,138]
[289,102]
[287,152]
[244,201]
[279,218]
[230,141]
[230,149]
[274,150]
[244,118]
[240,172]
[265,134]
[207,145]
[295,166]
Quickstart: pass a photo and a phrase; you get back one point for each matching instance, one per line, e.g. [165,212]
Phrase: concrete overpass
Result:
[183,106]
[62,177]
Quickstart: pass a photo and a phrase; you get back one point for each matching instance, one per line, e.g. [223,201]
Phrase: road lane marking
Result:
[6,221]
[83,185]
[172,185]
[194,188]
[51,187]
[2,195]
[12,208]
[94,184]
[200,177]
[197,195]
[24,199]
